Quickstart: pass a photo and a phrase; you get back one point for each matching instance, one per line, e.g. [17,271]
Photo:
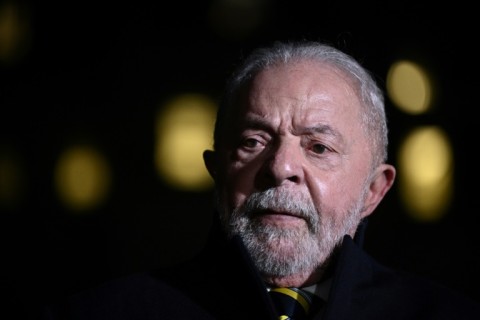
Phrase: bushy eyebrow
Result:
[255,122]
[260,123]
[321,128]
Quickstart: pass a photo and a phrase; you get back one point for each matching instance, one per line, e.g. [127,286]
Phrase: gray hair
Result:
[371,96]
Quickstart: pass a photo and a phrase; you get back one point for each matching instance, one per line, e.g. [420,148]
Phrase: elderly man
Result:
[299,162]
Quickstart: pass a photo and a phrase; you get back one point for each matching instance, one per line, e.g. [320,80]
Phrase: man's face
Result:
[293,177]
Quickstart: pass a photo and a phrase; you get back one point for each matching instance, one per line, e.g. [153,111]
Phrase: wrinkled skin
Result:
[297,133]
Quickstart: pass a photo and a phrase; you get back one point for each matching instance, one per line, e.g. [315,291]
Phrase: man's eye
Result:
[250,143]
[319,148]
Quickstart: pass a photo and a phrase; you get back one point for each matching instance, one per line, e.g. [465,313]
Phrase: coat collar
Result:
[352,270]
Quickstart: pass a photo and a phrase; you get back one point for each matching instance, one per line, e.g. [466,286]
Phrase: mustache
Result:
[282,200]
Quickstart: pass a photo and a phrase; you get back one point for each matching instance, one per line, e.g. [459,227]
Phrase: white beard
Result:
[282,252]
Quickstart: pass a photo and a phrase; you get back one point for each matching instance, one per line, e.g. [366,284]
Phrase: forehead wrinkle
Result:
[256,121]
[323,129]
[253,120]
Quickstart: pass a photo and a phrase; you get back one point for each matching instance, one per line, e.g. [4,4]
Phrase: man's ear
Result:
[211,163]
[381,182]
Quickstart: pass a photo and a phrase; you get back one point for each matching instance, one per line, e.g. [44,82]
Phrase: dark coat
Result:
[222,283]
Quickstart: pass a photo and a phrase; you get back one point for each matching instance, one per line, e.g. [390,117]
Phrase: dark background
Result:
[99,72]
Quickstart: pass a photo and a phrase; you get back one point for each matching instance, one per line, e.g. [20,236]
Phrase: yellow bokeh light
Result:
[82,178]
[237,19]
[184,129]
[409,87]
[14,31]
[426,173]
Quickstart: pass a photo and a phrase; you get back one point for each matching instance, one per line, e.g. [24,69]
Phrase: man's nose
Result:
[284,164]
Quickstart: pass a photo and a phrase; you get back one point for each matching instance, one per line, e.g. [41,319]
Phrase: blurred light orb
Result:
[426,172]
[184,129]
[82,178]
[15,31]
[237,19]
[409,87]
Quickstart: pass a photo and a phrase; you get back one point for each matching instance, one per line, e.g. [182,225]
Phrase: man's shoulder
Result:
[437,296]
[375,291]
[414,287]
[134,296]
